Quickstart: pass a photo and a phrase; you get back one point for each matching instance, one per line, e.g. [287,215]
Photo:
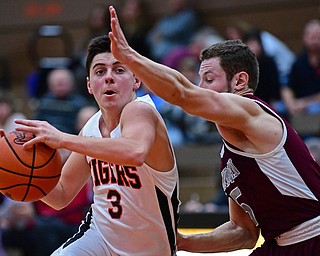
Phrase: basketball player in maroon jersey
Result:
[267,172]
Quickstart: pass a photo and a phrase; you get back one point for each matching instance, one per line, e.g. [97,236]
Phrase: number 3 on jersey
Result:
[114,198]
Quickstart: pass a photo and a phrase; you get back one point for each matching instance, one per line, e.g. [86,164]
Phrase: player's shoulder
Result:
[141,104]
[138,108]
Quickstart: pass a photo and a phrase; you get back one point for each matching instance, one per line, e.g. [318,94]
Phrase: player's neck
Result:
[244,91]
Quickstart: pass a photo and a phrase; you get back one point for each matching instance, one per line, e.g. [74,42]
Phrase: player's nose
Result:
[109,77]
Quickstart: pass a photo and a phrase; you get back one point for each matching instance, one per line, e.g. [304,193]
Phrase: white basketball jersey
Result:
[135,208]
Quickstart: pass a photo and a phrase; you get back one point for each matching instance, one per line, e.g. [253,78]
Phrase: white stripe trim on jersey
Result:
[285,177]
[302,232]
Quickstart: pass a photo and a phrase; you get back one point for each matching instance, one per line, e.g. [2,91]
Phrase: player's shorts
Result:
[90,244]
[86,242]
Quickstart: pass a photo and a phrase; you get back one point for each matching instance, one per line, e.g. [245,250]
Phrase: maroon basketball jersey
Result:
[279,189]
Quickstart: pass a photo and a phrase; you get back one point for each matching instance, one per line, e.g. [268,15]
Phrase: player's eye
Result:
[99,71]
[119,70]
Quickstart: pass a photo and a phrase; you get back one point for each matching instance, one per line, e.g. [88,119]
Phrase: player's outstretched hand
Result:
[119,45]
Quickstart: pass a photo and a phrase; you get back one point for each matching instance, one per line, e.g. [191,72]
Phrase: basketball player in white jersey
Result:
[125,148]
[269,175]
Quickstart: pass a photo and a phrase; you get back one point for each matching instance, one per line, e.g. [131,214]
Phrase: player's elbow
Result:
[247,235]
[58,207]
[139,160]
[250,243]
[137,157]
[252,237]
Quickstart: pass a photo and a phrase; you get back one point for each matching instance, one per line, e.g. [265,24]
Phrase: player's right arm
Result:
[238,233]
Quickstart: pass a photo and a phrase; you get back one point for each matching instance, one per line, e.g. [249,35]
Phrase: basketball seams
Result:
[27,165]
[31,172]
[21,180]
[27,175]
[15,153]
[44,193]
[49,159]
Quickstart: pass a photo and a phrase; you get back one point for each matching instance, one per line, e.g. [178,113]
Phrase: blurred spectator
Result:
[45,57]
[170,113]
[303,91]
[35,229]
[136,24]
[60,105]
[84,115]
[176,28]
[8,112]
[201,39]
[269,85]
[272,45]
[14,217]
[186,60]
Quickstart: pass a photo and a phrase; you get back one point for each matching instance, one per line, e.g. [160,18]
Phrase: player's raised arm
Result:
[162,80]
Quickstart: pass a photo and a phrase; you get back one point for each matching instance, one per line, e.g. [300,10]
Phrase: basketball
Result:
[27,175]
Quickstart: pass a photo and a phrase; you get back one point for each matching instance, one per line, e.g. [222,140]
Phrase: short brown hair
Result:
[235,57]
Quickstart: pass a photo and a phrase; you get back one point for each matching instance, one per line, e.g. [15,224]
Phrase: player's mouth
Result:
[109,93]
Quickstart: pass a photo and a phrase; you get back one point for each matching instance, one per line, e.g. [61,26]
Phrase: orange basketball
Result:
[27,175]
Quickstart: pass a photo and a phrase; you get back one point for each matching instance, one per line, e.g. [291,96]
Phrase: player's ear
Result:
[137,83]
[241,80]
[89,85]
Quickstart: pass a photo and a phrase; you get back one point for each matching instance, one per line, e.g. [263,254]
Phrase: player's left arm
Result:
[75,174]
[238,233]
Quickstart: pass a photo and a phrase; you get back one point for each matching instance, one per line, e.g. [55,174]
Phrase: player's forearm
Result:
[56,198]
[162,80]
[225,238]
[121,151]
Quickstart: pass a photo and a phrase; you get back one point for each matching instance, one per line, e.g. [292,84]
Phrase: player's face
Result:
[212,76]
[111,83]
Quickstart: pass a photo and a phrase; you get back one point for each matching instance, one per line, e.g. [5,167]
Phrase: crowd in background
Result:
[289,82]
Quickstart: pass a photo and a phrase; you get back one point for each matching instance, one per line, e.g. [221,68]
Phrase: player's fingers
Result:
[115,24]
[29,144]
[113,14]
[113,32]
[26,122]
[23,128]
